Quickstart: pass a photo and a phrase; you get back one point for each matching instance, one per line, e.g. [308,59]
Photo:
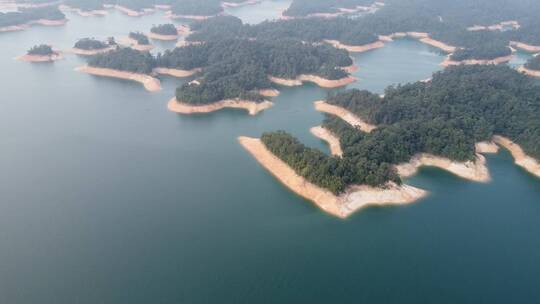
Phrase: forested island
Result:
[92,46]
[24,18]
[138,41]
[41,53]
[166,31]
[429,123]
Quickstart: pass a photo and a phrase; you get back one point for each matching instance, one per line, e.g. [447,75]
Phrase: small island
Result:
[41,53]
[165,32]
[124,63]
[445,123]
[91,46]
[138,41]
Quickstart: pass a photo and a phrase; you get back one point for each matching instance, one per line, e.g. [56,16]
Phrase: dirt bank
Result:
[520,157]
[330,138]
[344,114]
[252,107]
[355,198]
[150,83]
[475,171]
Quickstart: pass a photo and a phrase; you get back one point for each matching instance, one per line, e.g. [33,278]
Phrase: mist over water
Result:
[106,197]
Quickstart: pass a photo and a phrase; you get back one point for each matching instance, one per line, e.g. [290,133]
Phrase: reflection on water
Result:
[106,197]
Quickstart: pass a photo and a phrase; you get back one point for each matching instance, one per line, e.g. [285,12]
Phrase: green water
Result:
[106,197]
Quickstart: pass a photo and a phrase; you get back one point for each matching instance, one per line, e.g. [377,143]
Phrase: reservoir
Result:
[107,197]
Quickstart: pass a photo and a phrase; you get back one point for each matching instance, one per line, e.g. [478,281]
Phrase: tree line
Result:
[461,106]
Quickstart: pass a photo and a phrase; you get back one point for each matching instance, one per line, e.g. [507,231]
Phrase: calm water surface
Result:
[106,197]
[256,13]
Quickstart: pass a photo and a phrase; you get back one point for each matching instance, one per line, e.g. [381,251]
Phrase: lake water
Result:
[256,13]
[106,197]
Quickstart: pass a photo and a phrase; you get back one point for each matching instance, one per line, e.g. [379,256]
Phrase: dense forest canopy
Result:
[164,29]
[124,59]
[41,50]
[343,29]
[140,38]
[533,63]
[90,44]
[27,15]
[237,68]
[197,7]
[309,7]
[445,117]
[446,21]
[85,5]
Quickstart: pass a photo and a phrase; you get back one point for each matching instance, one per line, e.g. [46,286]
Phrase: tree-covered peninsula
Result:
[447,22]
[85,5]
[303,8]
[140,38]
[197,8]
[445,117]
[25,16]
[124,59]
[238,68]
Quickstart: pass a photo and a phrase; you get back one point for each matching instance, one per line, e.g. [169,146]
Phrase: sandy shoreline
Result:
[150,83]
[448,62]
[41,58]
[89,52]
[345,115]
[422,37]
[529,72]
[226,4]
[439,44]
[135,45]
[132,13]
[252,107]
[161,37]
[521,159]
[83,13]
[177,72]
[321,82]
[355,198]
[24,26]
[475,171]
[499,26]
[330,138]
[269,92]
[170,15]
[356,48]
[525,47]
[486,147]
[341,11]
